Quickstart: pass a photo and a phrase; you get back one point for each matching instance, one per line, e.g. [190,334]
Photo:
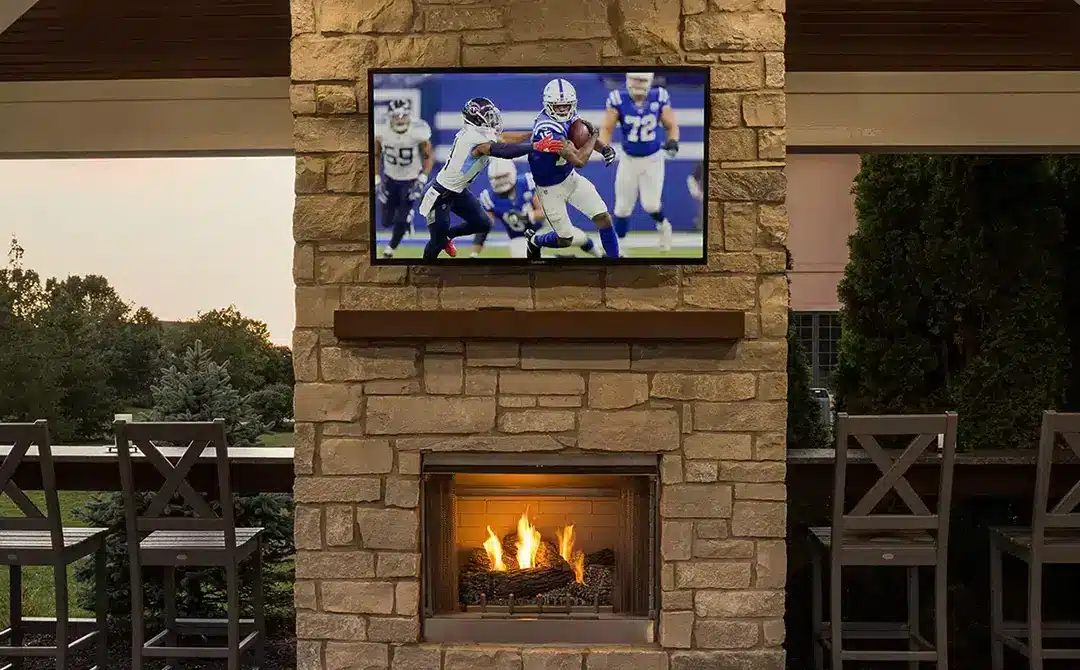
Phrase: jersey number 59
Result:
[642,128]
[402,157]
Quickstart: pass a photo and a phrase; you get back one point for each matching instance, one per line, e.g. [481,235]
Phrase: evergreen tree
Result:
[805,424]
[953,294]
[1067,177]
[199,389]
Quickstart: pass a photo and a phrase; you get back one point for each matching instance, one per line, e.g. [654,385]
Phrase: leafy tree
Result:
[29,371]
[254,362]
[953,294]
[72,350]
[199,389]
[273,404]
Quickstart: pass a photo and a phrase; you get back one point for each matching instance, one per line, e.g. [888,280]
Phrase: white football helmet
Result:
[502,173]
[639,83]
[560,100]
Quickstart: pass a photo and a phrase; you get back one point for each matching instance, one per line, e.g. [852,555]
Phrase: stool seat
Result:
[42,539]
[196,539]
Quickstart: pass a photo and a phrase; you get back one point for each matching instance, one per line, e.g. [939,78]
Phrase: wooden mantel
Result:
[510,324]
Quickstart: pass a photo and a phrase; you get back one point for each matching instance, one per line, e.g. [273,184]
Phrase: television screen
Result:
[526,165]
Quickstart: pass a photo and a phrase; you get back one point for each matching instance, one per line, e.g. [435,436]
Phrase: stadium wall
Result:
[368,412]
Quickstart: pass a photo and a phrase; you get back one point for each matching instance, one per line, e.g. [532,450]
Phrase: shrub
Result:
[952,297]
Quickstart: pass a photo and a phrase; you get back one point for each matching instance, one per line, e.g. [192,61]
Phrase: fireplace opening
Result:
[540,548]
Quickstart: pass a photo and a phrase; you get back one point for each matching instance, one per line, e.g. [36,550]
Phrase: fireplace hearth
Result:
[540,548]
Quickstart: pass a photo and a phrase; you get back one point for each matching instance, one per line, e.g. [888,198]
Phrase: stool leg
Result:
[836,620]
[1035,640]
[15,598]
[101,586]
[138,629]
[260,605]
[816,611]
[232,594]
[913,612]
[997,608]
[941,615]
[172,639]
[60,583]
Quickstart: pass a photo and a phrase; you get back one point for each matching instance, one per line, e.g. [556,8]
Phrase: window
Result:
[819,335]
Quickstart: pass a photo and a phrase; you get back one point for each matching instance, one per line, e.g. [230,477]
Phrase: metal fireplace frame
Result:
[634,616]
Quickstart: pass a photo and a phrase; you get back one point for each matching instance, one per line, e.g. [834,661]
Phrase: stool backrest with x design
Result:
[1057,430]
[865,431]
[198,437]
[22,436]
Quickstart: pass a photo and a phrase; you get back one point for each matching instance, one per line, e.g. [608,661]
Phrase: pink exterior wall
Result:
[821,212]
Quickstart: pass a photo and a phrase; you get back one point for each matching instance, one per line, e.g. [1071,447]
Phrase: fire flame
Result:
[494,551]
[528,545]
[576,559]
[528,542]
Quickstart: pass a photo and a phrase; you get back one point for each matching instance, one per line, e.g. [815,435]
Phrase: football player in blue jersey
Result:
[512,201]
[640,111]
[480,139]
[558,184]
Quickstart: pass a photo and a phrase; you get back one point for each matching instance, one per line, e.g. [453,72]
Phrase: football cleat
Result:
[533,249]
[387,252]
[450,249]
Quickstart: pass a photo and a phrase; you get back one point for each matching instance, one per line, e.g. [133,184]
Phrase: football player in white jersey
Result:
[641,110]
[403,160]
[480,139]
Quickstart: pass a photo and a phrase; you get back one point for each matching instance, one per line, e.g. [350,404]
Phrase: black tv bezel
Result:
[376,260]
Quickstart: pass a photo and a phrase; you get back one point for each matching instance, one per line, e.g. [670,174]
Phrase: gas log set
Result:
[526,569]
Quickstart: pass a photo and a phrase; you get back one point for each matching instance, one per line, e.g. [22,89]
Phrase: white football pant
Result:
[576,191]
[639,176]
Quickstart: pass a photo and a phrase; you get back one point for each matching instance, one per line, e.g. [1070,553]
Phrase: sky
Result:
[176,235]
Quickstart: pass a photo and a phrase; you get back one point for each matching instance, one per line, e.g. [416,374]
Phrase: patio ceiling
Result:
[147,39]
[166,39]
[932,35]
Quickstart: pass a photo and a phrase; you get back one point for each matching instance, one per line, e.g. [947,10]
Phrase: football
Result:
[579,133]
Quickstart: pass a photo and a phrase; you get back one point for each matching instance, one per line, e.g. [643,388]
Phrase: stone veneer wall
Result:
[366,411]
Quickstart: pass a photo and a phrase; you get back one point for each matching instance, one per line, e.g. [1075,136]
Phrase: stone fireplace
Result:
[670,454]
[540,548]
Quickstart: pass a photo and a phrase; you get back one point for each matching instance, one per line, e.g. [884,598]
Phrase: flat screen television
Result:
[527,166]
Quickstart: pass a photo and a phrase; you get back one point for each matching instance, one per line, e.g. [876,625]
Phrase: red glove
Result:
[548,144]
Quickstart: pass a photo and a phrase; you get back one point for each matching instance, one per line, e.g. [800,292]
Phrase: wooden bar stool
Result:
[861,537]
[206,539]
[39,538]
[1054,538]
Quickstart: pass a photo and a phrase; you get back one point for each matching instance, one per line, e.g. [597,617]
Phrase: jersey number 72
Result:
[642,128]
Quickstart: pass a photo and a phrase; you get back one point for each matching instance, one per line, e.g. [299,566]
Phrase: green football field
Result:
[634,245]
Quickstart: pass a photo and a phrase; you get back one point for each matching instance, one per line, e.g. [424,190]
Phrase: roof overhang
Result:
[145,117]
[827,112]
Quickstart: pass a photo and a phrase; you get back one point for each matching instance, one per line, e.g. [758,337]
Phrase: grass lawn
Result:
[277,439]
[37,582]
